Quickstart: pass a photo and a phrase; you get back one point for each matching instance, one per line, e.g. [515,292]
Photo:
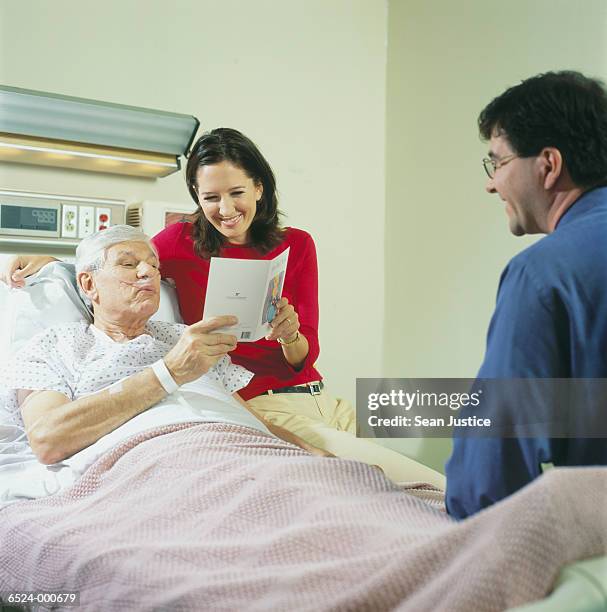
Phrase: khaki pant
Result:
[330,424]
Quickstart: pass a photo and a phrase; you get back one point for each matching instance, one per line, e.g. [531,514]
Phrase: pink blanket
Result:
[220,517]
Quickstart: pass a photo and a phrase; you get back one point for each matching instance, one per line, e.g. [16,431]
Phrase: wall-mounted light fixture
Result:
[52,130]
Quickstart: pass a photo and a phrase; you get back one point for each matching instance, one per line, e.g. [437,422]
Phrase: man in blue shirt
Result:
[548,162]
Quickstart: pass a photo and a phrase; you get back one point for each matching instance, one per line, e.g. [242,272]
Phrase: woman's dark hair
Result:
[225,144]
[566,110]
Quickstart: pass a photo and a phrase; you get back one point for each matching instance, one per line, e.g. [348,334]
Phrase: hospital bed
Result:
[51,298]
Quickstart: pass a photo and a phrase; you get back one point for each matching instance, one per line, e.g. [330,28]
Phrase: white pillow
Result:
[51,298]
[168,310]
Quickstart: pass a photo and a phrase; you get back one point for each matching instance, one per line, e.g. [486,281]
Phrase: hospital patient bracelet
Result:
[164,376]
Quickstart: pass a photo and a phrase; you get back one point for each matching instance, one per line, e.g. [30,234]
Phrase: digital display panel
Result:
[29,218]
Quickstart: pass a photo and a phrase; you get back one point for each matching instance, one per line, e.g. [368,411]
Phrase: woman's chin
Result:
[235,236]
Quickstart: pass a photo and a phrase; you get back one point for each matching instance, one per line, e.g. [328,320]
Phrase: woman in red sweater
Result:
[237,217]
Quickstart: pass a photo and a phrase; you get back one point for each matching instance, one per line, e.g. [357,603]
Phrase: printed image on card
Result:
[272,297]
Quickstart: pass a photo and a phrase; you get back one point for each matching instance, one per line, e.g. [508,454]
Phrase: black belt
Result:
[311,388]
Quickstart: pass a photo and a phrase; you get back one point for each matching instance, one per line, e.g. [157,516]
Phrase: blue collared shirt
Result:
[550,321]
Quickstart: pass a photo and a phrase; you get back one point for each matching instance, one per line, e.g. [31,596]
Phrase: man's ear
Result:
[86,281]
[552,166]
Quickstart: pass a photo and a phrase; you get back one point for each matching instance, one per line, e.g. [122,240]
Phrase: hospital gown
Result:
[77,359]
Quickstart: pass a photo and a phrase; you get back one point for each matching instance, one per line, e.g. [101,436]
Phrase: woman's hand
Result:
[17,268]
[285,329]
[285,324]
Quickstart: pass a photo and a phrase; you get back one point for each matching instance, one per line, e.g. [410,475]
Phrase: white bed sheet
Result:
[22,476]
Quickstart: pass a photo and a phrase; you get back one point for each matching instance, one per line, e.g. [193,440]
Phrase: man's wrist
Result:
[164,376]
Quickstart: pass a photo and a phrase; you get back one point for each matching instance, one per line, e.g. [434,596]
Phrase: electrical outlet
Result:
[86,221]
[69,221]
[103,218]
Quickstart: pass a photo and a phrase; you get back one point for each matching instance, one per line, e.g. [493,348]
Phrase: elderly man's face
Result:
[128,284]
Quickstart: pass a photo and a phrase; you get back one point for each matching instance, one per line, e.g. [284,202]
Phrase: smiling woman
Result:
[234,188]
[228,199]
[237,217]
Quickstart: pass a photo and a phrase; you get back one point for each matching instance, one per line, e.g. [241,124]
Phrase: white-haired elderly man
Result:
[74,383]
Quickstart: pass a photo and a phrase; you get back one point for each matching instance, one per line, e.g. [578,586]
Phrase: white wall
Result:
[446,239]
[305,80]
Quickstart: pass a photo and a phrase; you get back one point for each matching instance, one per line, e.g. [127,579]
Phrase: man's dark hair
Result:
[226,144]
[565,110]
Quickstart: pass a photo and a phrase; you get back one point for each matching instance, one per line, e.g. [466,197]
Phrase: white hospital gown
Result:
[77,359]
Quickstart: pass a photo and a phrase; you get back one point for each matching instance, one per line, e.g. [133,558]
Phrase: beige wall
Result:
[446,239]
[305,80]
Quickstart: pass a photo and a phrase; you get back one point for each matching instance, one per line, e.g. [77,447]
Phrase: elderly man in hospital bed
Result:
[76,383]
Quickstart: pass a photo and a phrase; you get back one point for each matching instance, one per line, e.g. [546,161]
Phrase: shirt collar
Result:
[145,337]
[597,196]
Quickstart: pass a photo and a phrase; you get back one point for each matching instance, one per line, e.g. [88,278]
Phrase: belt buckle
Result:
[314,388]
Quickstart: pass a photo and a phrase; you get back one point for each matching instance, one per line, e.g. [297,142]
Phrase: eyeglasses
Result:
[491,165]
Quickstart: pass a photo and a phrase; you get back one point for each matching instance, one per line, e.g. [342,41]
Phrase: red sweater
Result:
[264,358]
